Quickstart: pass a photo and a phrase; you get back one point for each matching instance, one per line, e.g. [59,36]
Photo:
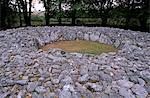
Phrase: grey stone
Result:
[104,39]
[83,70]
[83,78]
[94,78]
[4,95]
[126,93]
[76,95]
[54,36]
[56,71]
[93,67]
[67,80]
[69,88]
[48,84]
[36,95]
[55,81]
[134,79]
[139,91]
[105,77]
[104,96]
[115,95]
[94,86]
[94,37]
[147,87]
[40,89]
[80,35]
[141,81]
[145,75]
[83,90]
[21,94]
[117,43]
[70,36]
[31,86]
[125,83]
[50,95]
[22,82]
[86,36]
[77,54]
[65,94]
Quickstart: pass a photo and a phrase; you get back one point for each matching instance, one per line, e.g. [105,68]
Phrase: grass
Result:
[81,46]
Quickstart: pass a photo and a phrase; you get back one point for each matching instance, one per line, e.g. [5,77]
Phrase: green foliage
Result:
[123,13]
[60,14]
[37,18]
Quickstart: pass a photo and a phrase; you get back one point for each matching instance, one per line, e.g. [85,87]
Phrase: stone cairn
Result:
[28,72]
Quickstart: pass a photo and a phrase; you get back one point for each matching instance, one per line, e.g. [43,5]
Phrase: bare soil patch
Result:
[81,46]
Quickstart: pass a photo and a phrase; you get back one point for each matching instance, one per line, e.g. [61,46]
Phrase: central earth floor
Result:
[81,46]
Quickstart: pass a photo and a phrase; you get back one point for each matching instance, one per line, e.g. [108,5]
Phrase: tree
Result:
[144,13]
[19,9]
[135,9]
[26,14]
[102,6]
[75,5]
[60,11]
[29,17]
[4,13]
[47,5]
[8,12]
[129,6]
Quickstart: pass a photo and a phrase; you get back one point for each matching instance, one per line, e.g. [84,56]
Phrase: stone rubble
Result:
[28,72]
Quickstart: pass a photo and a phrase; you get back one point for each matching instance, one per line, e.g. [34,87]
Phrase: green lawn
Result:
[81,46]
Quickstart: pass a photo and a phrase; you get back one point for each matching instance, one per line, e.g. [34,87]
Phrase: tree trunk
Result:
[25,17]
[29,17]
[3,18]
[8,22]
[73,17]
[46,17]
[19,7]
[130,8]
[47,5]
[20,20]
[25,12]
[127,21]
[104,18]
[104,13]
[143,22]
[59,18]
[144,17]
[104,21]
[3,14]
[2,21]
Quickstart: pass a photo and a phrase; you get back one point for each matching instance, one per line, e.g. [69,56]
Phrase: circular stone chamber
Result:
[27,71]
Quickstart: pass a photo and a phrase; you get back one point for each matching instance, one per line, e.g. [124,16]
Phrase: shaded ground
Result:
[81,46]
